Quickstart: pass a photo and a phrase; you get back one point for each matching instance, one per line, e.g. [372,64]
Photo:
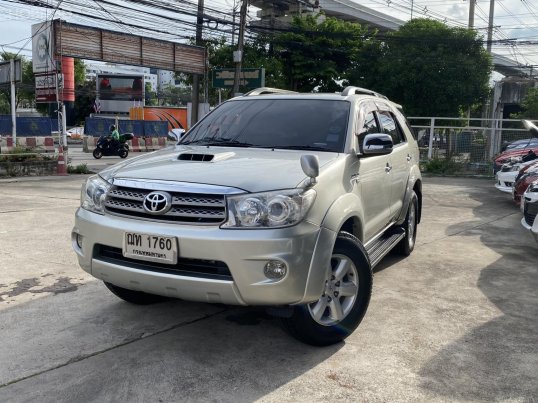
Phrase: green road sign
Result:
[250,78]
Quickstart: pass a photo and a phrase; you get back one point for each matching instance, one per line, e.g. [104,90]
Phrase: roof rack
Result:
[358,90]
[268,90]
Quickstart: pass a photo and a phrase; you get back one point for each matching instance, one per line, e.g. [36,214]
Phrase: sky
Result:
[514,19]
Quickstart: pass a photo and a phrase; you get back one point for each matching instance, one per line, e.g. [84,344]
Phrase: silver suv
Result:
[274,198]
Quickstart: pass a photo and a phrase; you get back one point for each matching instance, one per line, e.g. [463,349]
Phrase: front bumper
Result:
[505,181]
[305,248]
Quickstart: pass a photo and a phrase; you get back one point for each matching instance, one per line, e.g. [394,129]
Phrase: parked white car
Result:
[506,177]
[529,207]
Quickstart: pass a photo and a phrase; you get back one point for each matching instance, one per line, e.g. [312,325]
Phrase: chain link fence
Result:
[467,147]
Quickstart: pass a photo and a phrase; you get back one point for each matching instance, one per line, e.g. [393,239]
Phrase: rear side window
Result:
[391,127]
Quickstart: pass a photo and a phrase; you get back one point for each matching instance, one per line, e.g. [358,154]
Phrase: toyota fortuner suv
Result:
[274,199]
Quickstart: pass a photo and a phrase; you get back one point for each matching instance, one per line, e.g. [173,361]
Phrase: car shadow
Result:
[172,351]
[498,358]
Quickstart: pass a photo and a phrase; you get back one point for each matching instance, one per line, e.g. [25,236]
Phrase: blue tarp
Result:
[132,126]
[28,126]
[140,128]
[154,128]
[97,126]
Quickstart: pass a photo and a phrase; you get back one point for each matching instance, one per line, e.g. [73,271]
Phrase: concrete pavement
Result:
[456,321]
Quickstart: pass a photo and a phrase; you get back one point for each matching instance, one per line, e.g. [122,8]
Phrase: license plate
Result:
[152,248]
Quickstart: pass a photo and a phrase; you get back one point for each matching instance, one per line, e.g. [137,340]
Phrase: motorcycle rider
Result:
[114,137]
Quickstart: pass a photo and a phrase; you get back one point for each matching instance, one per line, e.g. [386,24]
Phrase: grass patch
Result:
[79,169]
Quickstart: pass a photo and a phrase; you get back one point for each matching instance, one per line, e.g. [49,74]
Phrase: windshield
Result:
[308,124]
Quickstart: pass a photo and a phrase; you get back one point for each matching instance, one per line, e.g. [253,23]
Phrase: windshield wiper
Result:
[314,148]
[219,142]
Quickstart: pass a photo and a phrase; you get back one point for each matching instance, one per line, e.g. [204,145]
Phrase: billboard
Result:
[42,48]
[119,92]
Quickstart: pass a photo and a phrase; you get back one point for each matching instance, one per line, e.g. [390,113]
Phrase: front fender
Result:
[344,208]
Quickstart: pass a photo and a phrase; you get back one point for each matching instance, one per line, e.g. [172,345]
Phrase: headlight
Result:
[283,208]
[93,194]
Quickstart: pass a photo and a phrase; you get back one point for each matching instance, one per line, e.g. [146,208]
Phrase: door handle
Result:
[409,157]
[388,168]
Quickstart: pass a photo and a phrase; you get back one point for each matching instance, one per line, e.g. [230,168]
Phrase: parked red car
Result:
[508,155]
[527,175]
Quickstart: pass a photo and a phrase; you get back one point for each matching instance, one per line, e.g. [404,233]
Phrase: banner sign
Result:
[42,48]
[249,78]
[5,71]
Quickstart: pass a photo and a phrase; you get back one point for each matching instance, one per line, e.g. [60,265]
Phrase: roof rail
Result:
[350,90]
[268,90]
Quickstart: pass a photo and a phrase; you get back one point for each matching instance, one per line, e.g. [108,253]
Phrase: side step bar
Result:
[383,245]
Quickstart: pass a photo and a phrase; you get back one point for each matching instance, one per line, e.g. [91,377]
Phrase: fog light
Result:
[275,269]
[78,240]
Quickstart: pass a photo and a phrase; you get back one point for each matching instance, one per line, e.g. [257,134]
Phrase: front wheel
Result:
[134,297]
[344,300]
[97,153]
[407,244]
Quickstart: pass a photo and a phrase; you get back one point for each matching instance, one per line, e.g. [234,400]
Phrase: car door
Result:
[398,161]
[370,182]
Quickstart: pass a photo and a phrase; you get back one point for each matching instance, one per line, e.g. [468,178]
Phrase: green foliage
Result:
[24,90]
[79,169]
[20,154]
[441,166]
[428,67]
[85,97]
[151,96]
[529,105]
[317,56]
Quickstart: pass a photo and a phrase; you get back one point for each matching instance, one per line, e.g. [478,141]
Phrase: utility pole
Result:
[13,102]
[238,55]
[471,13]
[490,24]
[196,77]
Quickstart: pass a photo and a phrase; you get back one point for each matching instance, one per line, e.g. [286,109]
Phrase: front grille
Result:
[193,208]
[529,211]
[210,269]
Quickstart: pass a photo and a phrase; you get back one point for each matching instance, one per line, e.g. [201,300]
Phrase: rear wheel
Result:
[407,244]
[344,301]
[97,153]
[134,297]
[124,152]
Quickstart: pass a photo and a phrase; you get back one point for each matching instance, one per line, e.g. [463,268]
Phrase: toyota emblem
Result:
[157,202]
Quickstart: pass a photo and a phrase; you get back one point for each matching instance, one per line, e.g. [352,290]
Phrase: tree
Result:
[529,104]
[24,90]
[317,55]
[428,67]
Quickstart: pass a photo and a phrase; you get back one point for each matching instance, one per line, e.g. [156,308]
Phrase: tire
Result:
[134,297]
[334,317]
[407,244]
[97,153]
[124,152]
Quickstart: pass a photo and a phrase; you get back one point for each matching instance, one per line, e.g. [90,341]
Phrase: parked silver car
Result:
[274,198]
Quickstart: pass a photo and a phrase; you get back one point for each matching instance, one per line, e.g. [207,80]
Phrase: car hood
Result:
[250,169]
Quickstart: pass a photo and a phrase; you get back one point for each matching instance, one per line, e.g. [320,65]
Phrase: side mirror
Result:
[377,144]
[310,166]
[530,127]
[176,134]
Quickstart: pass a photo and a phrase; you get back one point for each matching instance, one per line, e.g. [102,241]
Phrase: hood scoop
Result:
[197,157]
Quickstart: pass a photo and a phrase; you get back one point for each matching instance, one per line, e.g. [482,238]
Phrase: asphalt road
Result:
[456,321]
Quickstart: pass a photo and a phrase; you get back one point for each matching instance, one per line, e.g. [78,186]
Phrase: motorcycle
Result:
[106,146]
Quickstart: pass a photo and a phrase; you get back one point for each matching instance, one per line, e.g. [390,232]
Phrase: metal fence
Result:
[461,146]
